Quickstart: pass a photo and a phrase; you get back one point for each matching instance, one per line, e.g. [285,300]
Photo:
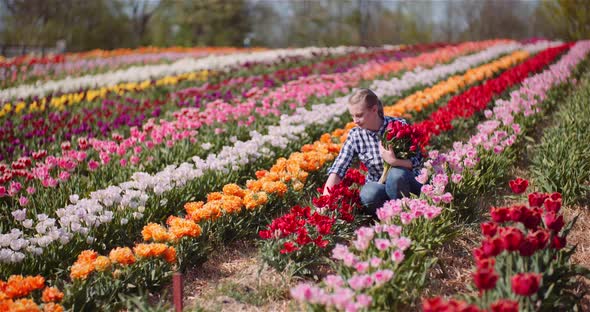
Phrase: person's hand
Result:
[387,154]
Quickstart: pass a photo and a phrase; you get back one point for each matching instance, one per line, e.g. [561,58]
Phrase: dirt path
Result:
[236,279]
[580,236]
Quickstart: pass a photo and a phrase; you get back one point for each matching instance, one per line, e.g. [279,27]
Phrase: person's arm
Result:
[389,157]
[341,164]
[333,179]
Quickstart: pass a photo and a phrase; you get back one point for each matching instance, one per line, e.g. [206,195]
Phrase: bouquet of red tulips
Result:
[403,139]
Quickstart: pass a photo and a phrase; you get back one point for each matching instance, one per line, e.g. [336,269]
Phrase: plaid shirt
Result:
[365,144]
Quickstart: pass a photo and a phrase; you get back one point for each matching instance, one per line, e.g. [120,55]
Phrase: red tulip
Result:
[436,304]
[321,201]
[489,229]
[558,242]
[485,279]
[553,203]
[532,219]
[347,217]
[355,176]
[518,213]
[288,247]
[536,199]
[541,238]
[528,246]
[519,185]
[526,284]
[553,222]
[487,263]
[555,196]
[478,254]
[362,167]
[512,237]
[301,211]
[500,214]
[492,246]
[440,305]
[505,305]
[320,242]
[265,234]
[303,238]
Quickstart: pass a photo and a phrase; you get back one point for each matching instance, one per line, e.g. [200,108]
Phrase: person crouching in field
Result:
[364,142]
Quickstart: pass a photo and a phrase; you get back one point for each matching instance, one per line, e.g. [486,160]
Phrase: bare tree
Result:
[364,14]
[141,13]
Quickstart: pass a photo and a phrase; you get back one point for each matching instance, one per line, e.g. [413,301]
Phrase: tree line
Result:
[109,24]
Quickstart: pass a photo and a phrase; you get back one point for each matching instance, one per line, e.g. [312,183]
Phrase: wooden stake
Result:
[177,288]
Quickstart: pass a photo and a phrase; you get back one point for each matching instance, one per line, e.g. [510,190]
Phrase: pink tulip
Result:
[23,201]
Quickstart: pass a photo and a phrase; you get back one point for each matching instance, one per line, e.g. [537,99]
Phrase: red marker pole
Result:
[177,288]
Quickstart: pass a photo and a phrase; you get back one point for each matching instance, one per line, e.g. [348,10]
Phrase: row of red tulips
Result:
[477,98]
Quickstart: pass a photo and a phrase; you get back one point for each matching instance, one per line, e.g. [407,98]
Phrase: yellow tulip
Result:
[19,107]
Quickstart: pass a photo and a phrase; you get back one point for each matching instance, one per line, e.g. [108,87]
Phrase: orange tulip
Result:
[52,294]
[102,263]
[81,270]
[180,227]
[122,255]
[156,232]
[53,307]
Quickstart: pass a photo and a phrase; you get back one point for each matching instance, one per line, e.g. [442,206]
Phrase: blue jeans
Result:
[400,182]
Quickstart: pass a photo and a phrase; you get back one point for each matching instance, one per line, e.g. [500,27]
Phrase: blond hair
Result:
[368,97]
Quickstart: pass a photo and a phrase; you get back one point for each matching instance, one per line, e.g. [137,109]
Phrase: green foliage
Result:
[140,304]
[84,25]
[111,24]
[570,18]
[211,22]
[256,295]
[561,162]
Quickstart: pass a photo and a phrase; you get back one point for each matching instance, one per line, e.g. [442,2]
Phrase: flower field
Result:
[120,168]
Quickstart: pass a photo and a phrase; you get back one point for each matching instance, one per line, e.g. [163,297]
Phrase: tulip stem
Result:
[383,178]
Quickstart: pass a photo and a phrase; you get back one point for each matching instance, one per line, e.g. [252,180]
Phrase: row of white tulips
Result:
[141,73]
[78,66]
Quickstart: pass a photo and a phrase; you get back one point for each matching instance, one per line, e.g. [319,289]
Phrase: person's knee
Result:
[395,174]
[372,197]
[369,194]
[396,177]
[397,182]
